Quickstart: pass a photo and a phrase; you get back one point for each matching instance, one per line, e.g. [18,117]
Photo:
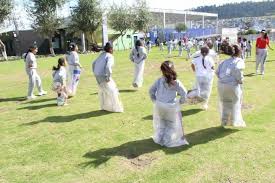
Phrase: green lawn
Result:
[78,143]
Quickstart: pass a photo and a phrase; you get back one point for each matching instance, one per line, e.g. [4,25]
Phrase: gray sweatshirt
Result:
[230,71]
[102,66]
[164,93]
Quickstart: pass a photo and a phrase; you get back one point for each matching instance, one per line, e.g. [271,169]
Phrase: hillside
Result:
[244,9]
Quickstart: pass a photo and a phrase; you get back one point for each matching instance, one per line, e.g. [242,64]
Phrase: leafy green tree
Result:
[142,16]
[46,21]
[180,27]
[87,17]
[120,19]
[5,10]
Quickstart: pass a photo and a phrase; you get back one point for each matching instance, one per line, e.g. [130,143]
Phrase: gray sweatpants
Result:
[34,80]
[261,59]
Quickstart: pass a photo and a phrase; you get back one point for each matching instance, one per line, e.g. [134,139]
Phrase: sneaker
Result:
[135,85]
[31,97]
[42,93]
[205,107]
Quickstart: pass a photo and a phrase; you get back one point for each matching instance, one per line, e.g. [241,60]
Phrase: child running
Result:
[167,117]
[59,82]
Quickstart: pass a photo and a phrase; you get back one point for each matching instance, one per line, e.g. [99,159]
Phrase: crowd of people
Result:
[167,117]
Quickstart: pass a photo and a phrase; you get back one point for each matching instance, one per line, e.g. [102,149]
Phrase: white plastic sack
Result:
[109,97]
[231,105]
[138,75]
[167,122]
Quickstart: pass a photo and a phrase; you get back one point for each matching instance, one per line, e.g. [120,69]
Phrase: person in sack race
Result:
[31,70]
[74,69]
[204,68]
[108,91]
[230,81]
[138,56]
[261,51]
[59,82]
[167,117]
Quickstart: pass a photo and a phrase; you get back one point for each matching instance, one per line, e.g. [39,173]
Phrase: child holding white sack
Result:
[108,91]
[59,82]
[138,56]
[203,66]
[167,117]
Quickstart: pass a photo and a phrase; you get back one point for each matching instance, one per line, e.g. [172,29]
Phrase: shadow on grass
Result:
[37,107]
[69,118]
[14,99]
[134,149]
[184,113]
[127,91]
[40,100]
[250,75]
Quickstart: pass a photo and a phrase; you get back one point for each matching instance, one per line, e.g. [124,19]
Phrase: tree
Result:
[180,27]
[5,10]
[46,21]
[142,16]
[120,19]
[87,17]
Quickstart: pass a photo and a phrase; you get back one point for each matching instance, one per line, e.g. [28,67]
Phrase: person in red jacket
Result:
[261,51]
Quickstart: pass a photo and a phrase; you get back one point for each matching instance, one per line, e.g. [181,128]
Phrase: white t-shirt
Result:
[30,60]
[200,69]
[60,75]
[73,58]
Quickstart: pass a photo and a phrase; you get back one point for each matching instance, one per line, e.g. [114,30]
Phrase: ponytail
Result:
[61,62]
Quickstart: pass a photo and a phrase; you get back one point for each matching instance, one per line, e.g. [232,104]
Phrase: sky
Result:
[21,14]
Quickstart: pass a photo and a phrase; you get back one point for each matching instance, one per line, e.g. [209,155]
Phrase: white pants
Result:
[109,97]
[73,80]
[180,52]
[34,80]
[138,74]
[261,59]
[231,105]
[170,51]
[167,123]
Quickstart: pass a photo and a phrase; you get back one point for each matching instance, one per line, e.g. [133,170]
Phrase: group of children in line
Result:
[167,117]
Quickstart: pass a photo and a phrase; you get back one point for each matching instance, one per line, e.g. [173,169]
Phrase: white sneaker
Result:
[42,93]
[31,97]
[205,107]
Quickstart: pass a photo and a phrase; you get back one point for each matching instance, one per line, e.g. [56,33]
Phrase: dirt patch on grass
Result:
[140,162]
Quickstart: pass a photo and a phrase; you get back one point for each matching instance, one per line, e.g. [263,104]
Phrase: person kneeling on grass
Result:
[167,117]
[108,91]
[59,82]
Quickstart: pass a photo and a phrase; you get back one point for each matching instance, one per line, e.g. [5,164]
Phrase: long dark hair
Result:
[72,47]
[61,62]
[169,72]
[265,36]
[108,47]
[234,50]
[137,45]
[31,48]
[204,52]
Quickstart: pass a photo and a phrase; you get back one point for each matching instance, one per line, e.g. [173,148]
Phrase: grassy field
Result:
[78,143]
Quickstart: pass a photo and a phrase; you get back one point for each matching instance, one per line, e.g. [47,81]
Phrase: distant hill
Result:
[244,9]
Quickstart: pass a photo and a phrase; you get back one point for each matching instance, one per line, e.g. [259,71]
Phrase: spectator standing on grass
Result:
[261,51]
[31,69]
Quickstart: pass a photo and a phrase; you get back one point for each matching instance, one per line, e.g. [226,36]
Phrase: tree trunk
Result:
[51,47]
[122,41]
[83,42]
[3,50]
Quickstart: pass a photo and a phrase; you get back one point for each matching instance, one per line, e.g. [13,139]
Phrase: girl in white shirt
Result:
[31,70]
[74,69]
[59,82]
[203,66]
[167,118]
[138,57]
